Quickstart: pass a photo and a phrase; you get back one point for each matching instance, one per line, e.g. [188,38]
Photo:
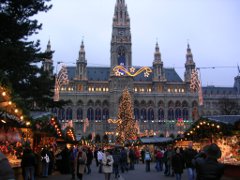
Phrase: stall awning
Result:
[226,119]
[155,140]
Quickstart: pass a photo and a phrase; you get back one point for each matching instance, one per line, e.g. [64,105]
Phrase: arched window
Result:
[185,114]
[69,114]
[79,114]
[170,114]
[90,114]
[105,114]
[150,114]
[98,114]
[143,114]
[136,114]
[160,114]
[61,114]
[178,113]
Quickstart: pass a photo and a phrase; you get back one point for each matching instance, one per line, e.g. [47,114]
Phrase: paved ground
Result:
[138,174]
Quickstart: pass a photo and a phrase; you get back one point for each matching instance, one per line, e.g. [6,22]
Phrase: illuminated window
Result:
[106,89]
[92,88]
[169,90]
[182,90]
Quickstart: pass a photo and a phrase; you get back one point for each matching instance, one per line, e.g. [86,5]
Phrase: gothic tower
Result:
[121,54]
[189,65]
[158,72]
[81,70]
[121,46]
[48,63]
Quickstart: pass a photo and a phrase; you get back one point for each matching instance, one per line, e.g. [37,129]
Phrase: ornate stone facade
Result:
[159,100]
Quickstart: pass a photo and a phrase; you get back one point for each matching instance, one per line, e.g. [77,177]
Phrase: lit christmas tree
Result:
[126,130]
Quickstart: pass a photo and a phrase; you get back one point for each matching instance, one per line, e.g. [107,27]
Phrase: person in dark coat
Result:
[189,155]
[116,162]
[209,168]
[52,160]
[65,160]
[142,155]
[28,164]
[178,164]
[45,161]
[89,160]
[96,156]
[6,171]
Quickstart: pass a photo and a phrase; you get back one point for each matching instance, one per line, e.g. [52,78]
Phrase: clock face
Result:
[121,32]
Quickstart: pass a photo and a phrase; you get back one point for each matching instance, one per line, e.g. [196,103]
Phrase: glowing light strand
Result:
[61,79]
[132,72]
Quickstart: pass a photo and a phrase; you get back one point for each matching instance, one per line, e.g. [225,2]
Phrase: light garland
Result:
[10,107]
[132,72]
[115,121]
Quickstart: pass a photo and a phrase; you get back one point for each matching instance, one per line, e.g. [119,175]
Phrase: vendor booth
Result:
[15,132]
[225,132]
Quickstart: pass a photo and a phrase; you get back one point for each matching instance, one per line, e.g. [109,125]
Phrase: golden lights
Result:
[118,69]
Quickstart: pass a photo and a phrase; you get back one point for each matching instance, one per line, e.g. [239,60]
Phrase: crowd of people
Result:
[77,161]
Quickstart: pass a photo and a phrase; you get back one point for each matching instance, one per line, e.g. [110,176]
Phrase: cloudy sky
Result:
[210,26]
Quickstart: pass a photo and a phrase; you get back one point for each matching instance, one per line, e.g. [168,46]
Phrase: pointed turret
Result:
[158,72]
[48,63]
[81,68]
[48,46]
[157,54]
[189,65]
[121,46]
[81,56]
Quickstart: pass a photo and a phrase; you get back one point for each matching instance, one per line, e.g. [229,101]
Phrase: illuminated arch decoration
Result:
[117,70]
[115,121]
[60,80]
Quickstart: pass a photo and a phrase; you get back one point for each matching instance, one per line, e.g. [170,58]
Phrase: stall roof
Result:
[226,119]
[39,114]
[155,140]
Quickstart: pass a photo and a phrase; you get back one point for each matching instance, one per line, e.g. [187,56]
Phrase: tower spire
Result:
[157,54]
[81,69]
[48,46]
[121,45]
[158,71]
[189,64]
[81,56]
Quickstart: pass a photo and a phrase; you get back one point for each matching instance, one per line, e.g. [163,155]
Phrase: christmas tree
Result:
[126,130]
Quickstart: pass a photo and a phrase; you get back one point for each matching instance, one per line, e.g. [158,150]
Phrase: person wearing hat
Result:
[209,168]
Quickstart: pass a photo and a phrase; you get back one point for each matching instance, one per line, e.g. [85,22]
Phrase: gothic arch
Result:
[136,103]
[184,103]
[79,103]
[160,103]
[177,104]
[90,103]
[143,103]
[170,103]
[98,103]
[194,104]
[150,103]
[69,102]
[105,103]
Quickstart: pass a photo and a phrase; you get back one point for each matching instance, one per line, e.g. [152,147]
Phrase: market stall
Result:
[15,132]
[225,132]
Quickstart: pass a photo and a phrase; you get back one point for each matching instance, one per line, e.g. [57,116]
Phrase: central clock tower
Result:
[121,54]
[121,46]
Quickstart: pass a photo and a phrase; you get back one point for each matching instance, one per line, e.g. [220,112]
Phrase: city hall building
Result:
[159,98]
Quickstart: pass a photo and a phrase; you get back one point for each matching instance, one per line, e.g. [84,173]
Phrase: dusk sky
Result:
[212,28]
